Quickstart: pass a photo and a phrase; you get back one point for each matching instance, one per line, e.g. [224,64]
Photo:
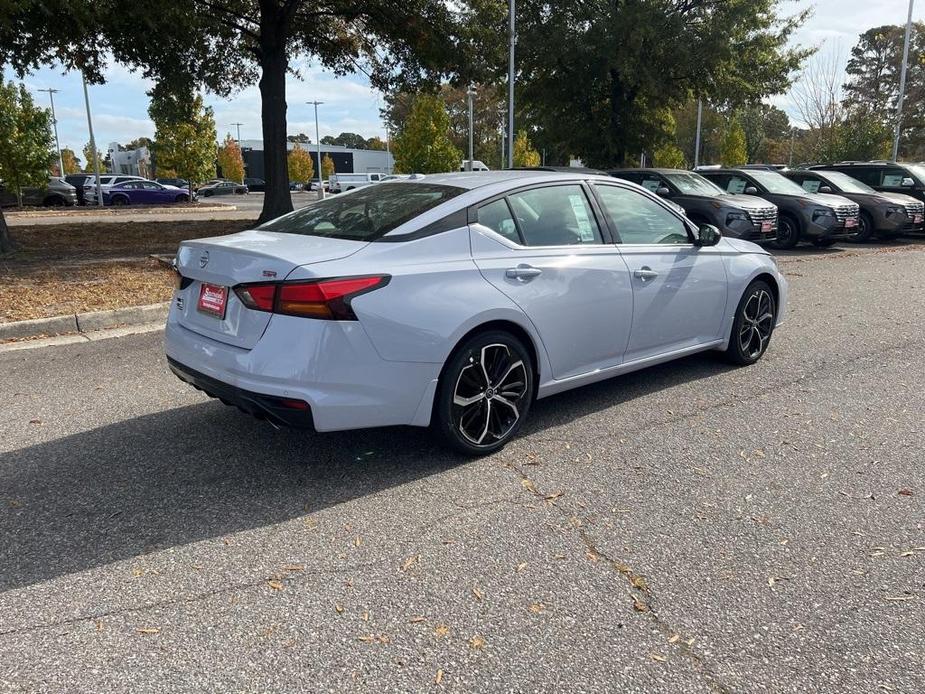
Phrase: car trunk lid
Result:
[250,256]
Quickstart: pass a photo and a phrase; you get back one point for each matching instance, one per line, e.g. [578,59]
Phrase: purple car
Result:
[143,193]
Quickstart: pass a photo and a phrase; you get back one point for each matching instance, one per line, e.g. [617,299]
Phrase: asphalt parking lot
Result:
[688,528]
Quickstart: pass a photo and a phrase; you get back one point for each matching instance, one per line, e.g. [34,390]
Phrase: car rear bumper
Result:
[332,366]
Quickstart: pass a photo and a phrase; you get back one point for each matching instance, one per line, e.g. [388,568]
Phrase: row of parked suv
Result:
[821,204]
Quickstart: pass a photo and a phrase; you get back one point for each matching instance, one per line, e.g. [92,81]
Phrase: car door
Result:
[545,248]
[679,289]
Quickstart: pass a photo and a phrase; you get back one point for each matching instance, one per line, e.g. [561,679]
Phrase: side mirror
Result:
[707,235]
[907,182]
[750,190]
[663,191]
[825,189]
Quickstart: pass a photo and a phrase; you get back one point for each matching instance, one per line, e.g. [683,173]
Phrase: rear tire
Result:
[183,198]
[485,393]
[788,233]
[823,243]
[120,200]
[53,201]
[865,229]
[753,326]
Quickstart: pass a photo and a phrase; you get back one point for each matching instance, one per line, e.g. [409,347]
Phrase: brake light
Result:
[327,299]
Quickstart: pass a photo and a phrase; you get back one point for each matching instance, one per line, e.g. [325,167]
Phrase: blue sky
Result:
[120,106]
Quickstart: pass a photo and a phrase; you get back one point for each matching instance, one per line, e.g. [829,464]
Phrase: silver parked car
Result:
[456,300]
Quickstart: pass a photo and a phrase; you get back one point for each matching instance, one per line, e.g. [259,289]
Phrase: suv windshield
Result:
[694,184]
[365,214]
[845,182]
[917,170]
[776,183]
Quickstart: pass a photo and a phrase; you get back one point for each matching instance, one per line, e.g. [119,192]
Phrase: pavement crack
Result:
[643,599]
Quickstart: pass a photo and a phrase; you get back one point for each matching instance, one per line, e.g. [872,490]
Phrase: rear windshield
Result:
[366,213]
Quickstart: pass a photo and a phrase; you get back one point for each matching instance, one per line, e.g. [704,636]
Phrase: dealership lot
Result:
[691,527]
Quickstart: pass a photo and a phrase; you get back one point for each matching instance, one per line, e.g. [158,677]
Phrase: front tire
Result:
[485,393]
[823,243]
[788,233]
[753,326]
[865,229]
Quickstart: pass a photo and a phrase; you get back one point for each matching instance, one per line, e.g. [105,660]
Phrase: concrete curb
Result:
[84,322]
[119,212]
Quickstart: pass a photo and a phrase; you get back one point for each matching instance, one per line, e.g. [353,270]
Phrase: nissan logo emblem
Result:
[204,259]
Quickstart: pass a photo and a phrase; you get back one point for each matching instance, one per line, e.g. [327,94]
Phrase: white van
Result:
[348,181]
[476,165]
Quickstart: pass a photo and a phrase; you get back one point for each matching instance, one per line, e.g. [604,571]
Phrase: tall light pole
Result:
[96,159]
[316,104]
[54,120]
[697,137]
[902,83]
[239,130]
[793,135]
[512,30]
[470,94]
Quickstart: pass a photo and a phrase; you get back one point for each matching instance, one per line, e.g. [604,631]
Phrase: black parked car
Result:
[222,188]
[738,216]
[176,182]
[255,185]
[821,219]
[884,176]
[886,215]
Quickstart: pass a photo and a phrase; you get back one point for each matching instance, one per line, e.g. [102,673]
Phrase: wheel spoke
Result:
[466,402]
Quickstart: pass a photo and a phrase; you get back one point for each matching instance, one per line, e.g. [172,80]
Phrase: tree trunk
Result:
[277,200]
[6,241]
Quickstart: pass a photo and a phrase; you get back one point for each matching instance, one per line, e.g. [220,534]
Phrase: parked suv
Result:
[884,176]
[820,219]
[886,215]
[738,216]
[107,181]
[78,180]
[57,193]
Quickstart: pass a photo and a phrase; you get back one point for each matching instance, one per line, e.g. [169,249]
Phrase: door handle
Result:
[645,273]
[522,272]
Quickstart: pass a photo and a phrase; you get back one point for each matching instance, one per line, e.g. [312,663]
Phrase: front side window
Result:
[367,213]
[555,216]
[640,220]
[774,182]
[810,184]
[737,185]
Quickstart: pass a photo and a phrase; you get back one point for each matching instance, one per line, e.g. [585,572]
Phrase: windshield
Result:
[917,170]
[366,213]
[776,183]
[845,182]
[694,184]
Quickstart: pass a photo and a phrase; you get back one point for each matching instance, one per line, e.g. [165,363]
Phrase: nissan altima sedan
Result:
[456,300]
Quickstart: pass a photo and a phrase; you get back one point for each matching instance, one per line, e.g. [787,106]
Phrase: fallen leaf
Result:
[275,584]
[294,567]
[99,624]
[479,595]
[658,658]
[366,616]
[675,638]
[537,608]
[553,496]
[35,421]
[409,562]
[417,620]
[439,677]
[905,492]
[137,572]
[476,643]
[521,566]
[338,608]
[441,630]
[639,605]
[527,484]
[639,583]
[149,630]
[358,541]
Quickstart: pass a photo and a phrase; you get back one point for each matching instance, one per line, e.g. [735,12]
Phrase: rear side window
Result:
[555,216]
[365,214]
[870,176]
[497,217]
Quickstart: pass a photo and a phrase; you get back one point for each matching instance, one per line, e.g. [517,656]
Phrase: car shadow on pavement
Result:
[205,470]
[807,249]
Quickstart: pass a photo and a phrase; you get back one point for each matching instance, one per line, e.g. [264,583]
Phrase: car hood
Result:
[897,198]
[829,200]
[743,246]
[747,202]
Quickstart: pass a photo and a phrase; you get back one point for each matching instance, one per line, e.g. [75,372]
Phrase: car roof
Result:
[471,180]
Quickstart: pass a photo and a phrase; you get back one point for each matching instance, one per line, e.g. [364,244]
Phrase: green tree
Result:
[669,156]
[376,143]
[230,44]
[423,145]
[733,151]
[301,165]
[71,162]
[524,154]
[25,146]
[601,91]
[230,160]
[88,157]
[764,125]
[327,167]
[184,137]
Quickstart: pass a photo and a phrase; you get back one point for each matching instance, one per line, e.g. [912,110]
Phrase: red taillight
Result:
[327,299]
